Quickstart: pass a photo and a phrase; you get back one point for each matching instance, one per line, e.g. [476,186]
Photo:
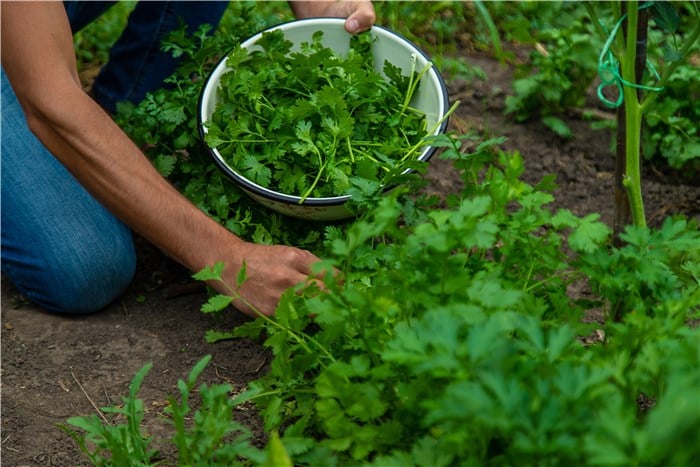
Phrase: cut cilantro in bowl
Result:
[298,116]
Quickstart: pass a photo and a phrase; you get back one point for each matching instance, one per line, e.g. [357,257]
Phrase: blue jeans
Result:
[60,247]
[136,65]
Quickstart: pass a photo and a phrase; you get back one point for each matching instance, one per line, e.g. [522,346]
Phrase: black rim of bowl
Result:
[292,199]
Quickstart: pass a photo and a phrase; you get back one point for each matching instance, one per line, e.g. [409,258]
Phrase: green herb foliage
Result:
[672,122]
[212,437]
[105,443]
[304,123]
[448,336]
[207,436]
[164,124]
[559,70]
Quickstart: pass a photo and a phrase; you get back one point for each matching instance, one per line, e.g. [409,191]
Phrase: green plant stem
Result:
[430,132]
[301,340]
[315,182]
[595,19]
[632,177]
[633,120]
[413,83]
[493,30]
[350,151]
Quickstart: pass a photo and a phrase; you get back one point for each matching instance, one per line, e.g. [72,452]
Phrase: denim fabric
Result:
[136,64]
[60,247]
[82,13]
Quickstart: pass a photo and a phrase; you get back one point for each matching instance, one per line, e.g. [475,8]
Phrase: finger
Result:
[361,19]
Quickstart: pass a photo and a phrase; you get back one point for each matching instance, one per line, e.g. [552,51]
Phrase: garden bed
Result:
[56,367]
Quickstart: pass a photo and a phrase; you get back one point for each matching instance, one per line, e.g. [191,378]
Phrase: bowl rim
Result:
[280,197]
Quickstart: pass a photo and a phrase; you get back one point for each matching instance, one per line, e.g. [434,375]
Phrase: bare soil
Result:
[55,367]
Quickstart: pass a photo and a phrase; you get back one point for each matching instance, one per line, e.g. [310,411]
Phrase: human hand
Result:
[360,15]
[270,271]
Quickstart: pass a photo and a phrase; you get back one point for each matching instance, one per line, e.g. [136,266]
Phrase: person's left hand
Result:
[360,15]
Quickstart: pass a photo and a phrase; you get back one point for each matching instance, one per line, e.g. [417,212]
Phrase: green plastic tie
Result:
[609,69]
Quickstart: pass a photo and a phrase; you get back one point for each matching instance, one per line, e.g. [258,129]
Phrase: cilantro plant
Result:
[672,129]
[207,435]
[561,65]
[107,442]
[448,337]
[164,124]
[451,333]
[304,123]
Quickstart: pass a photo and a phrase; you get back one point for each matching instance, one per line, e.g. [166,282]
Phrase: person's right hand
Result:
[359,15]
[270,271]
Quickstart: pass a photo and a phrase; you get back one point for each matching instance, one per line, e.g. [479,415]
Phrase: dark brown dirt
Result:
[55,367]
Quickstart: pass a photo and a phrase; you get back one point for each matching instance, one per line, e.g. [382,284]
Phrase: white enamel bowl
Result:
[431,98]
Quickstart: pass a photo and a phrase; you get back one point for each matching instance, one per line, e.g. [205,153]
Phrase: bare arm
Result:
[38,57]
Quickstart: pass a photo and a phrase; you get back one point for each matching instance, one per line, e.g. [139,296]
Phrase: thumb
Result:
[361,19]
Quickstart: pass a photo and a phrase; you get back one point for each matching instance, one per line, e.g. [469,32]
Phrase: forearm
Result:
[38,58]
[110,166]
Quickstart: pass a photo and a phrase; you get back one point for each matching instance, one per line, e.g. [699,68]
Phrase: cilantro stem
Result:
[413,83]
[430,133]
[315,182]
[567,276]
[409,95]
[249,141]
[405,137]
[367,155]
[301,341]
[296,91]
[350,151]
[278,391]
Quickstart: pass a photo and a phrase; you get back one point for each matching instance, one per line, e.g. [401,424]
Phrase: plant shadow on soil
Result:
[55,367]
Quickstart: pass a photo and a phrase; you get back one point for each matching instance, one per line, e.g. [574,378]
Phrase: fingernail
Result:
[353,25]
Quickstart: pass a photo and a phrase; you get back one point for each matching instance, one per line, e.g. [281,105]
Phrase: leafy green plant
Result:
[93,42]
[164,124]
[563,62]
[671,126]
[105,443]
[206,436]
[561,68]
[436,26]
[448,337]
[213,438]
[305,122]
[650,266]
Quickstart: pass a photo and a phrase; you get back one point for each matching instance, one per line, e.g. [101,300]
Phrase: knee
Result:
[86,281]
[90,284]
